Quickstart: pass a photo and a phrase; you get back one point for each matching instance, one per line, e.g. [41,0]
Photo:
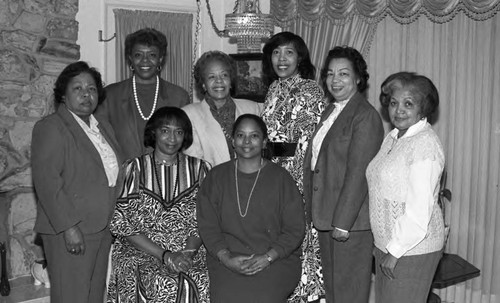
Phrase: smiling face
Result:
[169,139]
[341,80]
[81,95]
[285,61]
[145,60]
[217,80]
[405,109]
[248,139]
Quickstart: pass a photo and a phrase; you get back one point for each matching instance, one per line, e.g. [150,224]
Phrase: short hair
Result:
[305,66]
[73,70]
[146,36]
[358,64]
[168,115]
[420,86]
[258,120]
[205,60]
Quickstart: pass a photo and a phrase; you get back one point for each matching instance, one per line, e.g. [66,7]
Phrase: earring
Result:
[158,68]
[131,68]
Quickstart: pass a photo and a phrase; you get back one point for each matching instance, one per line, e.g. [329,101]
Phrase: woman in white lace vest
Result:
[403,182]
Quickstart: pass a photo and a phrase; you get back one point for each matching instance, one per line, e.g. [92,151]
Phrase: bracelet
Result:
[163,255]
[221,253]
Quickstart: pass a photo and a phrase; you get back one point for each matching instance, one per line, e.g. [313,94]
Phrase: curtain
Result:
[177,27]
[405,11]
[461,57]
[322,36]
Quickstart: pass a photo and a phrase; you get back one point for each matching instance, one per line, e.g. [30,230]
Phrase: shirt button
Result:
[315,188]
[316,170]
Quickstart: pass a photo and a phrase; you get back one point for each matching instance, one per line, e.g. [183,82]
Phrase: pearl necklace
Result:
[243,215]
[137,99]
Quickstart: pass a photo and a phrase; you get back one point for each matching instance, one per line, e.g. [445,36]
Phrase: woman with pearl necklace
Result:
[130,103]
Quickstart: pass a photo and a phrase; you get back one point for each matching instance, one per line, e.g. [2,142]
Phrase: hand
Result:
[340,235]
[388,264]
[255,265]
[178,261]
[73,238]
[236,263]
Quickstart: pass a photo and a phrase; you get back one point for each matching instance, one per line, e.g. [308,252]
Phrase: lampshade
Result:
[248,25]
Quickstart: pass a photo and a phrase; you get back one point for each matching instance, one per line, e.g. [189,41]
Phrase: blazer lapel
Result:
[81,138]
[128,110]
[307,157]
[339,124]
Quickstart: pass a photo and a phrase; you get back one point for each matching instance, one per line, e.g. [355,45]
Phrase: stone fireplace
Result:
[37,40]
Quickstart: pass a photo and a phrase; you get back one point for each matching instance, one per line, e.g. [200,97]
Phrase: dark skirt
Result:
[272,285]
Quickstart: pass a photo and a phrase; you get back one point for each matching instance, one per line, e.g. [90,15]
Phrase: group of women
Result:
[245,202]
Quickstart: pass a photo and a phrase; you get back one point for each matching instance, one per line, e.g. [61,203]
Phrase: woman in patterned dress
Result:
[155,217]
[293,106]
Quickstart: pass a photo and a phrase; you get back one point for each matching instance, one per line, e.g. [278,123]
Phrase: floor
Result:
[23,290]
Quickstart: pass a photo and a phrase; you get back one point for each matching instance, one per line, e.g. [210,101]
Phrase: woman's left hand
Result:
[388,264]
[255,265]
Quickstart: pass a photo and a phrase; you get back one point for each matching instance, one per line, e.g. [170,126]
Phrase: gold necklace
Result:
[243,215]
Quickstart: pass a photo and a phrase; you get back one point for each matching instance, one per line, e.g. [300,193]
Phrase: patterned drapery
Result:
[373,11]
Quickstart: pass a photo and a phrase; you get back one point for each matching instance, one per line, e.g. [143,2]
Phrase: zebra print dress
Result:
[146,207]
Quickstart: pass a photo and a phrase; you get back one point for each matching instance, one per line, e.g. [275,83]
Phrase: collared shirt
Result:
[107,154]
[403,183]
[325,127]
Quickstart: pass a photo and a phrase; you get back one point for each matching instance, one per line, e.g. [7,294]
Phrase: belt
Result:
[281,149]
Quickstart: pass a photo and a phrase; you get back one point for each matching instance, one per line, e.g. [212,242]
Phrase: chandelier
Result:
[246,24]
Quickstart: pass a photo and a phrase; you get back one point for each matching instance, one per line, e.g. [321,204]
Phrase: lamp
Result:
[248,25]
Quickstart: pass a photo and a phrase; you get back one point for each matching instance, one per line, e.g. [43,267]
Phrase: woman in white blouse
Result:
[403,182]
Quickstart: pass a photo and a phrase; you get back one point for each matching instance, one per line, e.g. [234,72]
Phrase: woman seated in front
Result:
[213,117]
[155,218]
[251,220]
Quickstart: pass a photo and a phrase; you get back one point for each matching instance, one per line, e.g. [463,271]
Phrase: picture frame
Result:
[249,82]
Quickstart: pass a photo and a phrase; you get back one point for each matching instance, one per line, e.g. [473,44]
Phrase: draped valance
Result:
[340,11]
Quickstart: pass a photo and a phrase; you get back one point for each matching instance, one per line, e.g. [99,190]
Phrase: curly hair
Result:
[305,66]
[207,58]
[421,87]
[358,64]
[73,70]
[168,115]
[146,36]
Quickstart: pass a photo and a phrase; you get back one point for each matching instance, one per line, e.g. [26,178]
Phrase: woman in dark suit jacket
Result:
[130,103]
[347,137]
[76,167]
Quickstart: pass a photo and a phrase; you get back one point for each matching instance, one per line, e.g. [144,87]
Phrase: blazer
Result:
[209,141]
[69,177]
[336,192]
[119,108]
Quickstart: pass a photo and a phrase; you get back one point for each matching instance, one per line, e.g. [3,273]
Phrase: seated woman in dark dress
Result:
[251,220]
[155,218]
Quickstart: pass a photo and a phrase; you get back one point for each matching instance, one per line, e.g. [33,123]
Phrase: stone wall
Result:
[37,40]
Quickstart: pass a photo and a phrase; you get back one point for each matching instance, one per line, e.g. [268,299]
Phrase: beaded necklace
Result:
[137,99]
